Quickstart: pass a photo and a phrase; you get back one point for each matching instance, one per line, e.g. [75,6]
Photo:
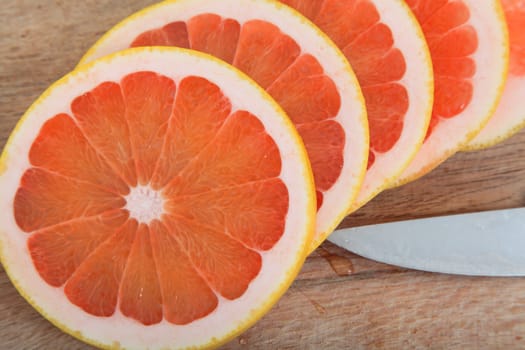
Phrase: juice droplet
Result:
[341,265]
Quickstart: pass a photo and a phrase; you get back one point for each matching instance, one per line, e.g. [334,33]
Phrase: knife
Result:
[490,243]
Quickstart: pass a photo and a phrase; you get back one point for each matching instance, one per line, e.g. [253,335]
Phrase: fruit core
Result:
[144,204]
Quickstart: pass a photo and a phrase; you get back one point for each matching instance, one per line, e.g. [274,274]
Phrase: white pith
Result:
[352,115]
[144,204]
[509,117]
[418,81]
[491,58]
[279,265]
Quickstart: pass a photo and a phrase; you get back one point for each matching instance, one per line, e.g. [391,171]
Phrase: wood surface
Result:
[339,300]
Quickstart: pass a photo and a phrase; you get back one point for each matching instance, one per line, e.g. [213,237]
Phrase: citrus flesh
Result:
[151,196]
[509,117]
[292,60]
[384,43]
[468,44]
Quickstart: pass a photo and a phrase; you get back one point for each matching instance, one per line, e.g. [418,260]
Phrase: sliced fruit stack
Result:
[166,192]
[288,57]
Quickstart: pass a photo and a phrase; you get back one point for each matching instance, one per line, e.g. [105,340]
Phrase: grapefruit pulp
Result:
[468,44]
[384,43]
[292,60]
[152,195]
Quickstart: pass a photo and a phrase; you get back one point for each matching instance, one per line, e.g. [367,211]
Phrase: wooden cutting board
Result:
[339,300]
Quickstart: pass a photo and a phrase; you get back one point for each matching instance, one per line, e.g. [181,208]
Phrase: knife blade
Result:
[490,243]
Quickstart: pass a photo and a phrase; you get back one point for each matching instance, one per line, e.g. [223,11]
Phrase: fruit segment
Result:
[376,59]
[379,66]
[468,43]
[191,120]
[323,141]
[100,113]
[253,213]
[242,152]
[515,14]
[386,105]
[310,99]
[356,28]
[62,148]
[226,264]
[305,93]
[264,52]
[139,295]
[149,101]
[172,34]
[343,20]
[309,8]
[58,251]
[94,286]
[451,40]
[45,199]
[185,294]
[211,34]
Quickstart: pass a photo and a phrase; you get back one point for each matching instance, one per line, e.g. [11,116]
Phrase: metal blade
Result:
[490,243]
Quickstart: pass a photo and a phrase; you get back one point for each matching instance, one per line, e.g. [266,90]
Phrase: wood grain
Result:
[339,300]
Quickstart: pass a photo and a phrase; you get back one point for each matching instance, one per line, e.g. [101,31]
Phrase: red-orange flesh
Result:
[217,171]
[356,28]
[274,60]
[515,15]
[452,41]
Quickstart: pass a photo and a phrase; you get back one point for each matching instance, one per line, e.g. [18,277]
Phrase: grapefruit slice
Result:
[155,199]
[468,43]
[292,60]
[509,117]
[384,43]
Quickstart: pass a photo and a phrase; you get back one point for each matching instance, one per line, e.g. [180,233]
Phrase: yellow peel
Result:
[11,263]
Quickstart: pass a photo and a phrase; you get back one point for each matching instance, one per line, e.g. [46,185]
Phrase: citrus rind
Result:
[280,264]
